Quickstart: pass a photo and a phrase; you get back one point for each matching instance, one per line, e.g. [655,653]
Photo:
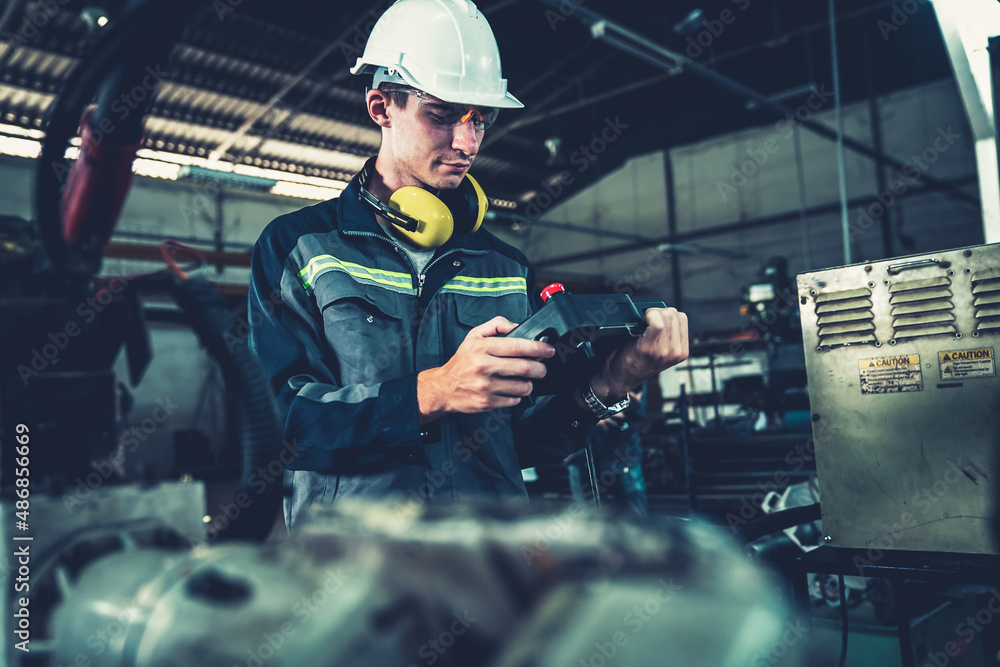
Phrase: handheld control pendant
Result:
[584,329]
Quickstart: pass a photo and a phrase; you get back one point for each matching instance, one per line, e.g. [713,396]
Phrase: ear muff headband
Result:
[428,220]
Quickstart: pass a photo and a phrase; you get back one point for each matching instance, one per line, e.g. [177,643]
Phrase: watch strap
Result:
[600,410]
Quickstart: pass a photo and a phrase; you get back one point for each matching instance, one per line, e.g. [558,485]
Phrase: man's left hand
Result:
[663,344]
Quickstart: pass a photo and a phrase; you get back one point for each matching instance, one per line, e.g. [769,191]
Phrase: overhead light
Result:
[552,145]
[503,203]
[21,131]
[156,169]
[690,24]
[172,166]
[179,158]
[302,191]
[94,17]
[679,248]
[19,147]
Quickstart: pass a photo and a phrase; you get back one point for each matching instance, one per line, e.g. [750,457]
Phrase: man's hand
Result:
[663,344]
[487,372]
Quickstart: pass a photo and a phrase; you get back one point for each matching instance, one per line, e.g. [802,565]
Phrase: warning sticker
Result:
[891,375]
[963,364]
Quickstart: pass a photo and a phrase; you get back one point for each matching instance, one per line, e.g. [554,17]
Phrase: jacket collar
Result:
[354,217]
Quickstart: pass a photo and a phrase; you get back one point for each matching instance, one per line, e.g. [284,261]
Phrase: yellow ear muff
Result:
[435,224]
[482,203]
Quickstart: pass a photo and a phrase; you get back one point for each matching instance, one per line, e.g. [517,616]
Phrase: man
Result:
[386,345]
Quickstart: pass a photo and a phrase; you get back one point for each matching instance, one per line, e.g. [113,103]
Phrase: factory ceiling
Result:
[266,83]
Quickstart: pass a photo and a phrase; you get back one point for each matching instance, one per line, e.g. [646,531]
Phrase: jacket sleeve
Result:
[335,428]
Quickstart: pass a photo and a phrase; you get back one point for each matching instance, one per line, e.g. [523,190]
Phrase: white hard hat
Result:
[443,47]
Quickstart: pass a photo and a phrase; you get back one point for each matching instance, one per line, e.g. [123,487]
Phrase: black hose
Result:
[260,432]
[772,523]
[843,620]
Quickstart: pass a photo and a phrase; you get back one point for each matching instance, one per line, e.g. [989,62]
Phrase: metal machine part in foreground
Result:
[404,585]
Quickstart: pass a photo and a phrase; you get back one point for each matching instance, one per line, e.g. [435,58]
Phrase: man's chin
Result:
[447,181]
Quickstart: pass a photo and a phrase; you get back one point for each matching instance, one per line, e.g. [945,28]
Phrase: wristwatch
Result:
[600,410]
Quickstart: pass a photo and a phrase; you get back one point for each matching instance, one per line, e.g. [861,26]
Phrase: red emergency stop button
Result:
[554,288]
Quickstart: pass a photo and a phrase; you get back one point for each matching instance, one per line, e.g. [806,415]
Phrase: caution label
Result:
[964,364]
[891,375]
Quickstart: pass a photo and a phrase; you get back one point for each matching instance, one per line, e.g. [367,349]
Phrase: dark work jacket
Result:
[342,324]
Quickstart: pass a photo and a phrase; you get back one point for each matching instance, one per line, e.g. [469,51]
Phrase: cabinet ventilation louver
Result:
[845,318]
[922,308]
[986,299]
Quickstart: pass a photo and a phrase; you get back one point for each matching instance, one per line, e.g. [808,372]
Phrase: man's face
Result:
[430,144]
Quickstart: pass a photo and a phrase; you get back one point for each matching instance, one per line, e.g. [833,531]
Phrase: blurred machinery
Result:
[403,585]
[773,311]
[739,428]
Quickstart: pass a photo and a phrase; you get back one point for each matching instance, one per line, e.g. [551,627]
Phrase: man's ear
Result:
[378,107]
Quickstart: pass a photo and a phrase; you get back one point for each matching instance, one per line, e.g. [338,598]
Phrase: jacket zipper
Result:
[399,251]
[421,277]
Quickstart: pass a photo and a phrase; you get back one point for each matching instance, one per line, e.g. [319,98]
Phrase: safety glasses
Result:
[448,115]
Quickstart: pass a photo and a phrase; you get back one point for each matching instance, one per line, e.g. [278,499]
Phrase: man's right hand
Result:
[486,372]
